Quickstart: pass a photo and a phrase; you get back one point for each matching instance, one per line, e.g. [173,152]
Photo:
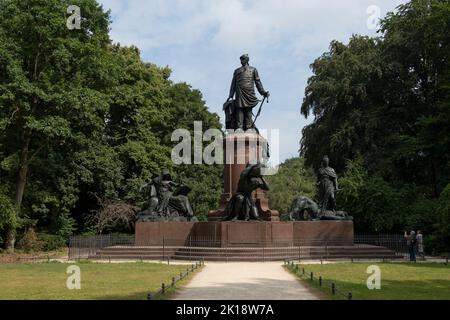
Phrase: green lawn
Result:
[98,280]
[399,281]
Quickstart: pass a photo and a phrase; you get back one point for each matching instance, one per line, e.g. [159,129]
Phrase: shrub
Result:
[51,242]
[30,242]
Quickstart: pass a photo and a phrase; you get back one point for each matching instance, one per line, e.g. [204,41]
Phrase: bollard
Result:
[173,282]
[350,296]
[320,281]
[48,258]
[321,261]
[303,270]
[181,275]
[168,261]
[333,288]
[312,276]
[351,260]
[149,296]
[163,288]
[109,259]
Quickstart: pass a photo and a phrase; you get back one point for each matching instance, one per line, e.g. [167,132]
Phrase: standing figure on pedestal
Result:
[328,185]
[241,205]
[243,86]
[303,208]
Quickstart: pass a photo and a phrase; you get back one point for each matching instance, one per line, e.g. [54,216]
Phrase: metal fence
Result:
[364,246]
[394,242]
[83,247]
[323,283]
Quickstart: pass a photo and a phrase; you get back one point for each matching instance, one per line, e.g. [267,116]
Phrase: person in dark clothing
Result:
[411,242]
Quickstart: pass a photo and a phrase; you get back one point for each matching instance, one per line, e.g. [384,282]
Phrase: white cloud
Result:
[202,39]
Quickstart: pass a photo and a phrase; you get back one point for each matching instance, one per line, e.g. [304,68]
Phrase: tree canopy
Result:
[82,118]
[381,112]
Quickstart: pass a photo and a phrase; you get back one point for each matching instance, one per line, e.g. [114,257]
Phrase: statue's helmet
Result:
[325,160]
[165,173]
[254,170]
[244,57]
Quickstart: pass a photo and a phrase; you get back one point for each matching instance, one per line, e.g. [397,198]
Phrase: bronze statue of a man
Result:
[328,185]
[243,86]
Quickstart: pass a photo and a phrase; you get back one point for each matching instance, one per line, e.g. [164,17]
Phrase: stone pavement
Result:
[245,280]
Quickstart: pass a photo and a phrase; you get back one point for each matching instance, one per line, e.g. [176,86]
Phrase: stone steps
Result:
[245,253]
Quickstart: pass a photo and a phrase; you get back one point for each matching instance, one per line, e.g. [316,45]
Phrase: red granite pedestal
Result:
[240,149]
[244,233]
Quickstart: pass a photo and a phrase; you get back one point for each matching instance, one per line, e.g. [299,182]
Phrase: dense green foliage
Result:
[382,113]
[291,181]
[82,119]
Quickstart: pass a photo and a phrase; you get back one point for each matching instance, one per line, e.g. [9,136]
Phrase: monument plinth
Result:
[240,149]
[244,233]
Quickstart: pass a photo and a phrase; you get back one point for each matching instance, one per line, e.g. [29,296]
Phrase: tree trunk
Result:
[10,238]
[20,188]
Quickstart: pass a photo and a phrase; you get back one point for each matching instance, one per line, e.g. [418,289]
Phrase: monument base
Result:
[244,233]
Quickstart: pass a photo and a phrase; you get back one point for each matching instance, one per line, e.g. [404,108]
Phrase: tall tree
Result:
[383,103]
[51,81]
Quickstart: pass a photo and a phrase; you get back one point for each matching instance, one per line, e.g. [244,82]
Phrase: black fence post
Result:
[173,282]
[149,296]
[163,288]
[333,288]
[164,248]
[320,281]
[350,296]
[312,276]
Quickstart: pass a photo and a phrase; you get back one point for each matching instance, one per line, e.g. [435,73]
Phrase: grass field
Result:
[98,280]
[399,281]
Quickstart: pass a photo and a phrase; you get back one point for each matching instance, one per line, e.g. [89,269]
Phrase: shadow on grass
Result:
[435,289]
[437,265]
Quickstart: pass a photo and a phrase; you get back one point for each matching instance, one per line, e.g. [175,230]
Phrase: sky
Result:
[202,40]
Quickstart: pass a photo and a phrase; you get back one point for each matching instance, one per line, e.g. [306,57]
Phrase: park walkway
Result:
[244,280]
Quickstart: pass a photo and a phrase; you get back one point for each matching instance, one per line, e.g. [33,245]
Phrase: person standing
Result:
[420,250]
[411,241]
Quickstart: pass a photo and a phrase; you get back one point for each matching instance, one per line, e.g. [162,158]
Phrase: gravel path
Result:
[244,280]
